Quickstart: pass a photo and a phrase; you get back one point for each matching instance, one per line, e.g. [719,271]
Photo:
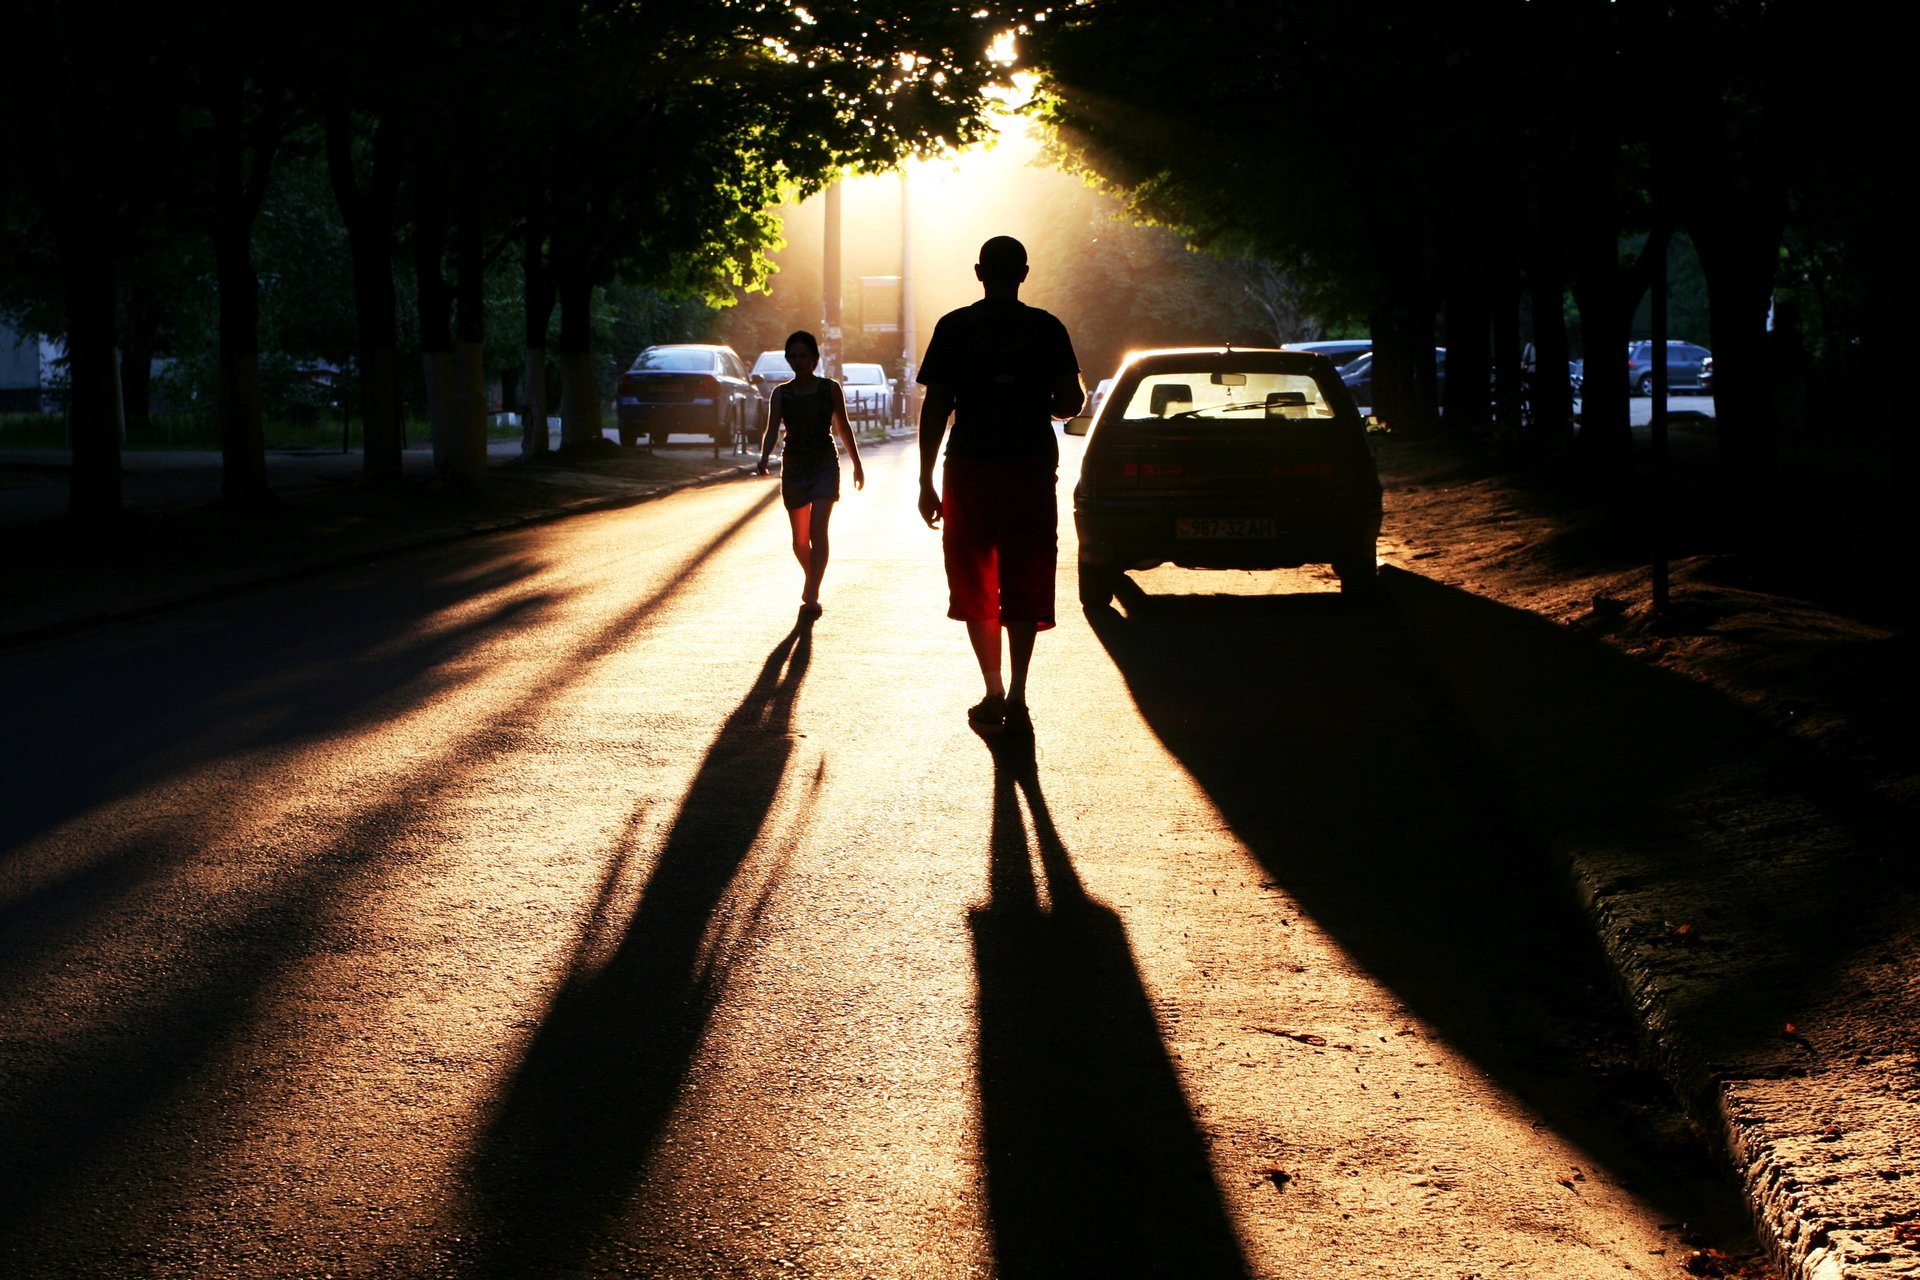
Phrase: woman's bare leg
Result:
[802,521]
[815,562]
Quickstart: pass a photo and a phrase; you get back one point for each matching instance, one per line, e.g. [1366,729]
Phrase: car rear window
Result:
[1226,396]
[669,360]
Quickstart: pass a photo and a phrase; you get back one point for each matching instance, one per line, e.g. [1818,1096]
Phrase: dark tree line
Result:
[584,143]
[1442,171]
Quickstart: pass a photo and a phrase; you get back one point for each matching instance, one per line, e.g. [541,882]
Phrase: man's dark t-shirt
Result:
[1001,358]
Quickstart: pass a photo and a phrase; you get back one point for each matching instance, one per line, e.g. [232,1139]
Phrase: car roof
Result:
[1210,357]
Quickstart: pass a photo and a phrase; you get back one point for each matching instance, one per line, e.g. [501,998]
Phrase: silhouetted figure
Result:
[809,411]
[1002,371]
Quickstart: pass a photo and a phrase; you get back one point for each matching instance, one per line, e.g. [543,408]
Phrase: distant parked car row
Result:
[705,389]
[1689,368]
[686,388]
[872,397]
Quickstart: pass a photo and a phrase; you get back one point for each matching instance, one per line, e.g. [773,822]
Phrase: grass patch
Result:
[33,431]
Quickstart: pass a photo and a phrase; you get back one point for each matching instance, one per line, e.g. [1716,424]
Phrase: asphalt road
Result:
[552,904]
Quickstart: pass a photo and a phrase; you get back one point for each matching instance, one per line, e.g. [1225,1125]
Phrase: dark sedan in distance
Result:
[686,388]
[1224,458]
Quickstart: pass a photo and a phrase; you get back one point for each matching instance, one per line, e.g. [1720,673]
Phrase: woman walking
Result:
[809,411]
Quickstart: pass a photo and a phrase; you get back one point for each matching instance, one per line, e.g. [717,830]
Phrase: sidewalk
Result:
[180,546]
[1755,894]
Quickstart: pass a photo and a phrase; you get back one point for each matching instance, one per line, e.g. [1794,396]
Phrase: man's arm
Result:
[935,408]
[1069,395]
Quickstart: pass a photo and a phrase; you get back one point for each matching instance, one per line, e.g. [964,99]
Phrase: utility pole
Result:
[830,286]
[909,332]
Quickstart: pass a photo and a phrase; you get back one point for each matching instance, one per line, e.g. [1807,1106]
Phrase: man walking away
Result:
[1002,371]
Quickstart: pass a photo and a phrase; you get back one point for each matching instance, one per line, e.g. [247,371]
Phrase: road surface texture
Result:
[556,904]
[1719,925]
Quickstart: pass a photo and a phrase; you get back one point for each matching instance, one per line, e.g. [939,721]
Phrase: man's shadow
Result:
[1094,1165]
[577,1122]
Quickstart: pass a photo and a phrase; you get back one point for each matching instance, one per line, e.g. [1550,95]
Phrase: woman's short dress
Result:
[810,464]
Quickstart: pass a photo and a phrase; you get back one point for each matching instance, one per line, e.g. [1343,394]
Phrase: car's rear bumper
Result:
[1253,534]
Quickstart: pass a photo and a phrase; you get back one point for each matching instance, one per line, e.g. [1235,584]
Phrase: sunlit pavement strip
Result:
[389,923]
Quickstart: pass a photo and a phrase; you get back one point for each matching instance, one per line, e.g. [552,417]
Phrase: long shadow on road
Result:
[157,1011]
[1318,731]
[1094,1166]
[577,1122]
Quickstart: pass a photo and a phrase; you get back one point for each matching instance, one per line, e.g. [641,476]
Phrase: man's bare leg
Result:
[1020,655]
[985,638]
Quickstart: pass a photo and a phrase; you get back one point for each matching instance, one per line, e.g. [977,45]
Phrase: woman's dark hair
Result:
[805,339]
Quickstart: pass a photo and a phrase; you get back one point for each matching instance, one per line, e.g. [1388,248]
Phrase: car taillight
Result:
[1151,470]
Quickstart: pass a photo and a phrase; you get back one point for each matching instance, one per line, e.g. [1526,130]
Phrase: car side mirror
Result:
[1080,425]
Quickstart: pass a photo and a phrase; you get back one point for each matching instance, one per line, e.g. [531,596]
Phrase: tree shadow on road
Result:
[1323,734]
[1094,1165]
[575,1125]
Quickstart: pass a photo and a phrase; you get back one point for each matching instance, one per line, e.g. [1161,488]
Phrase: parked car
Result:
[686,388]
[869,393]
[1098,395]
[1358,375]
[1706,376]
[1683,366]
[1225,459]
[1342,351]
[770,369]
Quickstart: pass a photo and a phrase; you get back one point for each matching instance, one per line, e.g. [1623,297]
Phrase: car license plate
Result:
[1223,527]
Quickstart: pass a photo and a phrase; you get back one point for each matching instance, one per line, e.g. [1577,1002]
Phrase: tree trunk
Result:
[1606,327]
[369,215]
[56,118]
[434,302]
[534,438]
[1504,323]
[580,421]
[1552,393]
[537,297]
[93,394]
[1469,357]
[468,418]
[238,194]
[136,374]
[1403,365]
[1738,262]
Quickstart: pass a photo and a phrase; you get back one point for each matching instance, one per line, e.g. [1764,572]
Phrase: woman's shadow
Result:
[576,1124]
[1094,1165]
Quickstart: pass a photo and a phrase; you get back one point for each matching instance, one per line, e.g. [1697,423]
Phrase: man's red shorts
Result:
[1000,538]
